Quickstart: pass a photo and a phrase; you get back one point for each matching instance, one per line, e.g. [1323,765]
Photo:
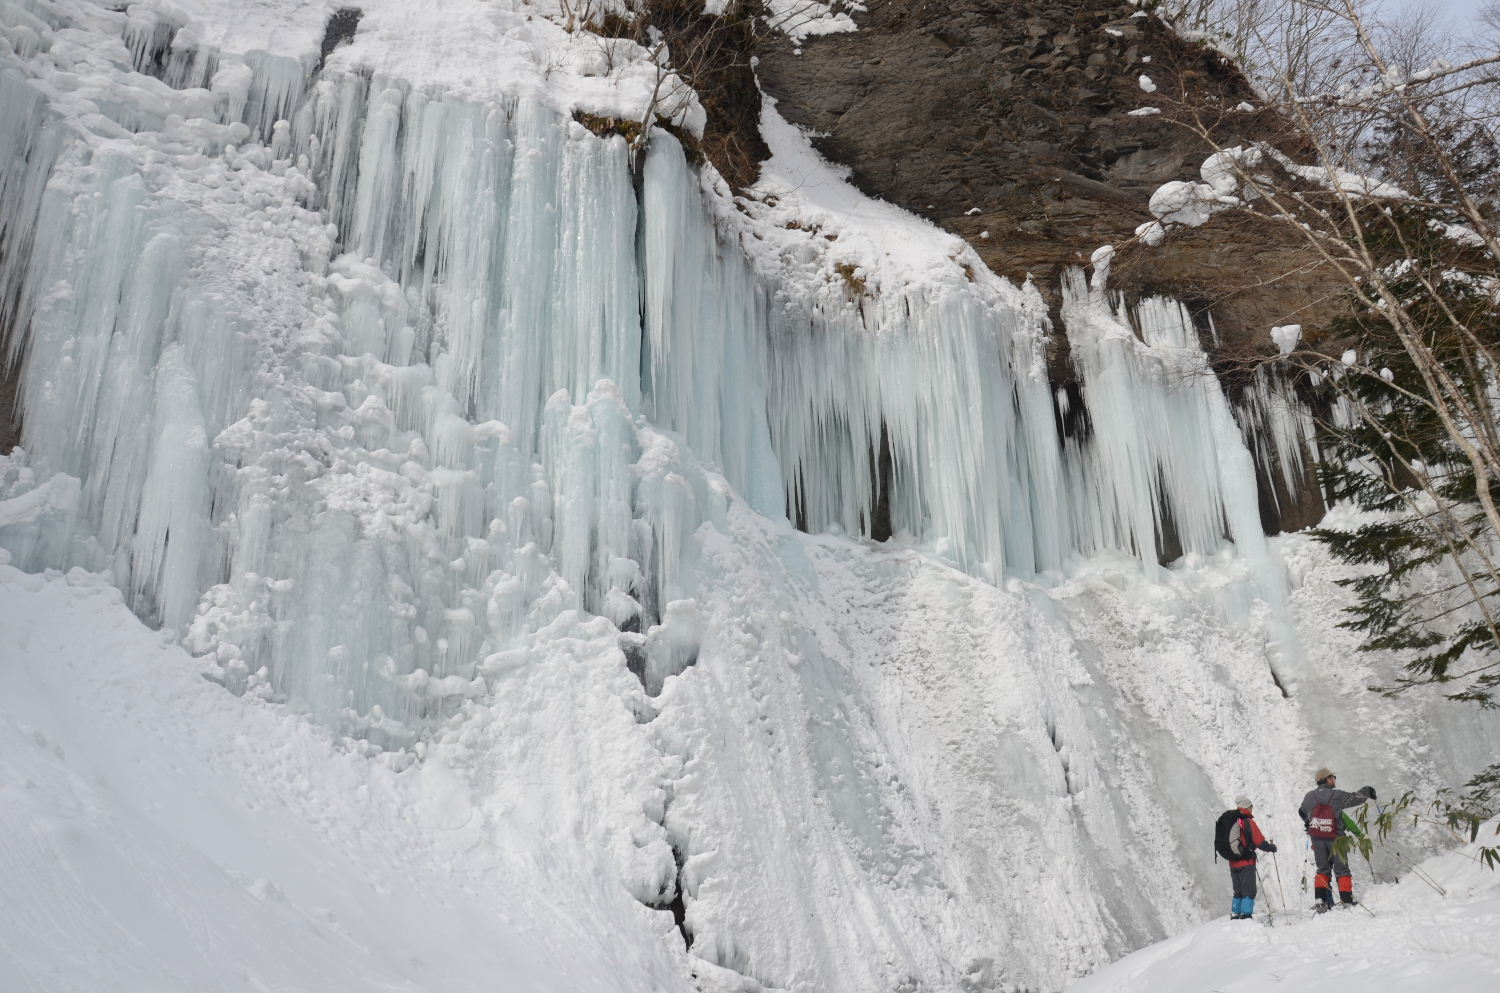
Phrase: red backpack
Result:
[1323,822]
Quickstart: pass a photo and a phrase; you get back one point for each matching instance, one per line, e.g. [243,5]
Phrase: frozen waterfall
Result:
[483,368]
[444,414]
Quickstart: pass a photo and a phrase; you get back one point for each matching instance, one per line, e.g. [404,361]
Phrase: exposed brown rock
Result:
[1009,123]
[714,54]
[1021,111]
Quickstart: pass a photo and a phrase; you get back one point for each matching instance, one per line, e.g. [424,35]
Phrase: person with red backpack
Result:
[1322,813]
[1236,838]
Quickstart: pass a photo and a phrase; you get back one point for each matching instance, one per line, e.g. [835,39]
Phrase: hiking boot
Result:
[1322,908]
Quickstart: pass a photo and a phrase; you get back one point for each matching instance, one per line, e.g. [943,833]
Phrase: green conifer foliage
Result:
[1413,402]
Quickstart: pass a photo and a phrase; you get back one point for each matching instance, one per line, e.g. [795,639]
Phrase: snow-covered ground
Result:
[1415,939]
[884,758]
[157,833]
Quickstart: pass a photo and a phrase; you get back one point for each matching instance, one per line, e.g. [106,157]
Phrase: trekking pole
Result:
[1419,873]
[1270,911]
[1279,888]
[1403,860]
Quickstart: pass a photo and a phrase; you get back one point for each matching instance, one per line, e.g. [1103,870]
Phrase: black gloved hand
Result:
[1269,846]
[1368,791]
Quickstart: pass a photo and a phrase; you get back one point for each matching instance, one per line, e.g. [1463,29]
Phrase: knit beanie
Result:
[1322,774]
[1243,802]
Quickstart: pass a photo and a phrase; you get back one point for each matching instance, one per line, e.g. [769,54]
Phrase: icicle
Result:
[971,444]
[275,87]
[1150,468]
[501,381]
[1166,451]
[171,536]
[705,342]
[148,34]
[28,150]
[22,31]
[1279,430]
[190,65]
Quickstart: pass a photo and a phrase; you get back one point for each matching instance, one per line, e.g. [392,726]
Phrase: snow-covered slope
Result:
[866,737]
[157,833]
[1419,935]
[461,444]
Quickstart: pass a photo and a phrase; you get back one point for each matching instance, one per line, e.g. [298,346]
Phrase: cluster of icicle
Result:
[508,373]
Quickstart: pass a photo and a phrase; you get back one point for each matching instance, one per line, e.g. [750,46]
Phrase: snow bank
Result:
[1413,940]
[946,779]
[161,834]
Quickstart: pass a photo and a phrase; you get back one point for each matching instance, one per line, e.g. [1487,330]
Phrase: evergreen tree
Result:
[1390,447]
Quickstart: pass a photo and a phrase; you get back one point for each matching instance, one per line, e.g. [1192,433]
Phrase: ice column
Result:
[1279,430]
[1150,467]
[28,148]
[1165,452]
[949,374]
[705,362]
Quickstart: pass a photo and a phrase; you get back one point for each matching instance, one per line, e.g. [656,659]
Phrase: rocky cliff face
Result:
[1023,126]
[1015,121]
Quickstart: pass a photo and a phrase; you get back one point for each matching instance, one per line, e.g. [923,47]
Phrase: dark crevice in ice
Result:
[1075,423]
[635,658]
[10,400]
[1168,538]
[881,471]
[796,503]
[669,897]
[150,53]
[676,904]
[340,30]
[1062,756]
[11,331]
[656,676]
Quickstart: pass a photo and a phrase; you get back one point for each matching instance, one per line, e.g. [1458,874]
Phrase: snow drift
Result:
[159,834]
[1418,935]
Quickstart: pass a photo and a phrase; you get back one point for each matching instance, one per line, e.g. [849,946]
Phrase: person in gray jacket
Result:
[1322,814]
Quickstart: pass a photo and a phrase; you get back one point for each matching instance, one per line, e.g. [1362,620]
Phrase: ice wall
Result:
[480,258]
[486,305]
[464,427]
